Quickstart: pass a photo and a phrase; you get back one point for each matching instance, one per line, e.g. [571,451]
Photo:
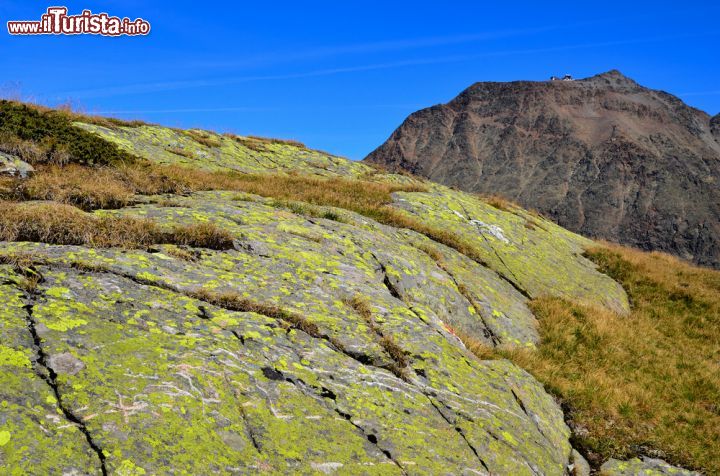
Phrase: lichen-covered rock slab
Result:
[537,256]
[163,380]
[35,435]
[172,146]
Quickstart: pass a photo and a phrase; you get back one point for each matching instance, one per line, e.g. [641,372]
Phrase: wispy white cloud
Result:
[255,109]
[144,88]
[188,110]
[382,46]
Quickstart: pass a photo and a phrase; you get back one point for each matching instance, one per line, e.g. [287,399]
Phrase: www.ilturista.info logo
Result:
[57,22]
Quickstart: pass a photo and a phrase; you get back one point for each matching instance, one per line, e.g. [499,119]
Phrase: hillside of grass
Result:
[645,383]
[177,294]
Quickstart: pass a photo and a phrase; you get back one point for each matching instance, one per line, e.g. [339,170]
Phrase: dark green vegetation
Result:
[37,135]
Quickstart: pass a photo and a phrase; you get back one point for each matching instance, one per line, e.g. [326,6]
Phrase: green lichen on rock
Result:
[537,256]
[171,146]
[259,359]
[166,377]
[35,435]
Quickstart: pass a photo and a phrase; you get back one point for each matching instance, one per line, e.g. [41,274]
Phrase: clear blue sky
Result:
[340,76]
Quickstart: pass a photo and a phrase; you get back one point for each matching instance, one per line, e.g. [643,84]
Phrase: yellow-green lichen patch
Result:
[35,437]
[170,146]
[13,358]
[169,371]
[543,260]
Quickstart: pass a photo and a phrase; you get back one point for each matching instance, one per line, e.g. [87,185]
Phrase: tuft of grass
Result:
[478,348]
[431,251]
[204,138]
[182,254]
[24,265]
[181,152]
[86,188]
[499,202]
[362,307]
[235,302]
[645,383]
[202,235]
[506,205]
[61,224]
[399,357]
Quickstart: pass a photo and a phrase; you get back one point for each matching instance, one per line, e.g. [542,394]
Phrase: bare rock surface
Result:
[14,167]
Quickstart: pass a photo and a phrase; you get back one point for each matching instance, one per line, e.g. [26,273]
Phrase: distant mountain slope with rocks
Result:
[602,156]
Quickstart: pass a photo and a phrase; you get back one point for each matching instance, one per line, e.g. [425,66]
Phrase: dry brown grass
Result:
[480,349]
[203,235]
[84,187]
[92,188]
[8,186]
[204,138]
[361,306]
[181,152]
[499,202]
[235,302]
[61,224]
[646,383]
[503,204]
[399,357]
[182,254]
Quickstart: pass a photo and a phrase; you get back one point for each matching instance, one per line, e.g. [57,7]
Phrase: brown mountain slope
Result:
[602,156]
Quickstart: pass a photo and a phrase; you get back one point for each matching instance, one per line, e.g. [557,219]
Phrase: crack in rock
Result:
[327,394]
[50,377]
[460,432]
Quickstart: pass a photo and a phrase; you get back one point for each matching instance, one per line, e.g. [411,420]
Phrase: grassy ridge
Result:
[92,188]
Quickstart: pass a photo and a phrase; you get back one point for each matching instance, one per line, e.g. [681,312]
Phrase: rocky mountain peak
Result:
[603,156]
[613,77]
